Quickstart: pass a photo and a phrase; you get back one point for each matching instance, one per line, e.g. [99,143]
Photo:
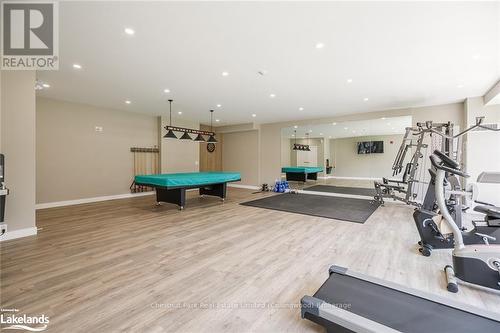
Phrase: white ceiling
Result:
[348,129]
[398,54]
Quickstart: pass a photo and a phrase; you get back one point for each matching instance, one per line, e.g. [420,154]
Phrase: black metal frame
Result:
[301,176]
[177,194]
[189,130]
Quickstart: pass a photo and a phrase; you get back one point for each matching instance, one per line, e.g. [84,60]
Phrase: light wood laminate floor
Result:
[126,265]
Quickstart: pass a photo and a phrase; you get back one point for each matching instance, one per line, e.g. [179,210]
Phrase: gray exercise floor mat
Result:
[338,208]
[369,192]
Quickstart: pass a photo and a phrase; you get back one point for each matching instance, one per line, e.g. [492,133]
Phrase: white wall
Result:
[483,148]
[18,144]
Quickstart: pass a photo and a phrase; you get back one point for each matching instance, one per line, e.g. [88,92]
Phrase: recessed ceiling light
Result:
[320,133]
[217,120]
[320,45]
[127,102]
[310,131]
[225,73]
[460,86]
[166,91]
[179,113]
[295,126]
[334,124]
[365,99]
[383,118]
[272,95]
[301,109]
[77,66]
[393,128]
[329,137]
[219,105]
[129,31]
[346,128]
[349,80]
[46,85]
[254,115]
[293,134]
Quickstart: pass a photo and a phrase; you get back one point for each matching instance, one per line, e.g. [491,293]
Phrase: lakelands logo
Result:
[30,35]
[11,320]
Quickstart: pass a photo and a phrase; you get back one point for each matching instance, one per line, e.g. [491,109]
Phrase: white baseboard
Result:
[248,187]
[90,200]
[18,234]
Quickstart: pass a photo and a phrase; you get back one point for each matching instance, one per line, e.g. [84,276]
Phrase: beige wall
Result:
[348,163]
[179,155]
[75,162]
[241,153]
[211,161]
[271,133]
[17,134]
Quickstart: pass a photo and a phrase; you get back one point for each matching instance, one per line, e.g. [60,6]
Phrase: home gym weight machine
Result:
[414,139]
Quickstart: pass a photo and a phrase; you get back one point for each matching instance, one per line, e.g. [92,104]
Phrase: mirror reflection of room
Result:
[351,153]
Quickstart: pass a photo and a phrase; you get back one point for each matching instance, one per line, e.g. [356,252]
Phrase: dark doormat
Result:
[369,192]
[338,208]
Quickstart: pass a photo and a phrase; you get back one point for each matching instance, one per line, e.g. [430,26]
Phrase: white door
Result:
[308,158]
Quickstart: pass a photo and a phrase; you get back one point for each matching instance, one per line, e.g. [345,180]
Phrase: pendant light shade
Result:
[211,139]
[185,136]
[199,138]
[170,135]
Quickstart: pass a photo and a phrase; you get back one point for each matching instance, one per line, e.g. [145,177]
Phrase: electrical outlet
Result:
[3,228]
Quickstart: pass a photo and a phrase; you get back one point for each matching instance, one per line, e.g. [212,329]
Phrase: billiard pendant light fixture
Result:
[211,139]
[186,131]
[170,134]
[298,146]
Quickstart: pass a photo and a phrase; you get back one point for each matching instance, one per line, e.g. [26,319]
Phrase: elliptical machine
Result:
[431,236]
[477,264]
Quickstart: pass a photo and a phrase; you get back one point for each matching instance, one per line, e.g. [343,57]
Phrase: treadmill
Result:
[353,302]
